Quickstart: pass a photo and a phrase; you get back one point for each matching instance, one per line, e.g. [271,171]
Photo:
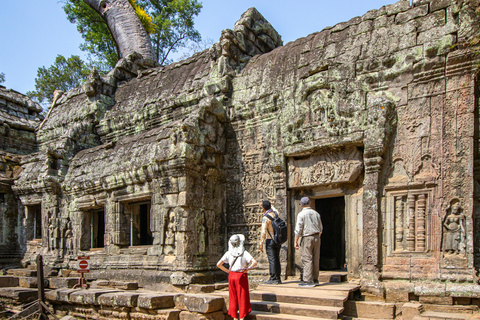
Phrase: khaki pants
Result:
[311,257]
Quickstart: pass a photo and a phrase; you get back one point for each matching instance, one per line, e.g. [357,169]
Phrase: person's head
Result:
[305,202]
[266,205]
[235,244]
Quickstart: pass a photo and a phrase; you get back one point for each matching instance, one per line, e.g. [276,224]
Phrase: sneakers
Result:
[272,282]
[306,284]
[315,282]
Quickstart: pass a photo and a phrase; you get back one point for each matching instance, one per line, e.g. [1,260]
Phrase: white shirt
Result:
[242,262]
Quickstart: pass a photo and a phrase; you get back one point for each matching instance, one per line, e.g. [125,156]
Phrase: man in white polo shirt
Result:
[309,227]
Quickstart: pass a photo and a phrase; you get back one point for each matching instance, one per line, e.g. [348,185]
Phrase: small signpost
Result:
[83,267]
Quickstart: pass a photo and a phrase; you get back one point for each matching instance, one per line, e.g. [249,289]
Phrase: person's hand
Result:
[261,248]
[297,246]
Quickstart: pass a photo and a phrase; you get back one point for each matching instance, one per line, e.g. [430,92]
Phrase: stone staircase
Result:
[290,302]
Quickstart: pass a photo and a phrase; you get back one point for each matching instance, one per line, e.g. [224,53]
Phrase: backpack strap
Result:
[234,262]
[270,217]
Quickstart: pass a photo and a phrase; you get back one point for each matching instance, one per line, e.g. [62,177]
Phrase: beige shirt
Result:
[267,225]
[308,223]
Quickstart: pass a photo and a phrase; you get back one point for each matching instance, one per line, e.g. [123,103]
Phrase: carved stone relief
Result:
[408,219]
[170,230]
[454,232]
[325,168]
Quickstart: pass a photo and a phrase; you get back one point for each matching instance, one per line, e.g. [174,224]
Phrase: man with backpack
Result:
[309,227]
[272,247]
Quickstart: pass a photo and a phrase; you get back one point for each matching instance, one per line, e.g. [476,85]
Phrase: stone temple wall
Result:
[149,169]
[19,116]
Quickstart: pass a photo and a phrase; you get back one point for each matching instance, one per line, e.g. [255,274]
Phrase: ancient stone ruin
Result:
[150,169]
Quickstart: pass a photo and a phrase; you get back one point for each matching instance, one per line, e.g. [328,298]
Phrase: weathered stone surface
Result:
[203,303]
[200,288]
[185,315]
[87,297]
[20,295]
[119,299]
[8,281]
[411,309]
[162,314]
[22,272]
[155,301]
[29,282]
[60,282]
[372,310]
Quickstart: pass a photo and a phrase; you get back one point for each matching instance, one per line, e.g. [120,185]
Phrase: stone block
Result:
[185,315]
[28,282]
[462,290]
[429,289]
[160,314]
[89,297]
[155,301]
[435,300]
[22,272]
[123,285]
[60,294]
[119,299]
[8,281]
[20,295]
[203,303]
[200,288]
[396,291]
[59,282]
[180,278]
[220,286]
[410,310]
[372,310]
[180,302]
[65,272]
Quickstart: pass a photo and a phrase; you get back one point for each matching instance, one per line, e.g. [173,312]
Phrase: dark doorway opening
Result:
[145,232]
[98,229]
[332,249]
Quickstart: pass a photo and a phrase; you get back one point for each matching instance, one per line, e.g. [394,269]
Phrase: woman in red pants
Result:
[238,260]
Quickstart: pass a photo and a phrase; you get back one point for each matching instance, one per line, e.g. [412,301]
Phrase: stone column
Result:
[421,223]
[411,223]
[371,248]
[398,223]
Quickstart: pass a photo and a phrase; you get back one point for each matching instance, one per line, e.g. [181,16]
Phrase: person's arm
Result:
[222,267]
[253,264]
[298,229]
[263,234]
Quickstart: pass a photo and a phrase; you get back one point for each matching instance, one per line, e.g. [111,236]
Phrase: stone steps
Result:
[289,301]
[296,309]
[297,296]
[258,315]
[433,315]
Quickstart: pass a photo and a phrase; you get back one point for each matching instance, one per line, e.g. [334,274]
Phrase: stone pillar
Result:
[398,223]
[371,213]
[421,223]
[411,223]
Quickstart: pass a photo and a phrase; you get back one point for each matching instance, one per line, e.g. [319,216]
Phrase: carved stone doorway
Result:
[332,250]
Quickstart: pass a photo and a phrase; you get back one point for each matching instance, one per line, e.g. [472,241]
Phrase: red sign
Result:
[83,265]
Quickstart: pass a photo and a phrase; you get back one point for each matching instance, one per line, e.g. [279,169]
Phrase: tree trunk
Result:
[125,26]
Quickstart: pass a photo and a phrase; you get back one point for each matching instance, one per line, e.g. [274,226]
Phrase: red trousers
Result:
[238,295]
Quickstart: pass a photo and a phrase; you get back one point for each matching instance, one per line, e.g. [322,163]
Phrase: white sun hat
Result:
[235,245]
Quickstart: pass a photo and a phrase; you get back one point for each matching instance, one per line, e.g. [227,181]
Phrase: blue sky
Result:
[34,32]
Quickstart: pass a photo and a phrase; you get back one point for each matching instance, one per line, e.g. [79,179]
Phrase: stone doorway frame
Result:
[352,195]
